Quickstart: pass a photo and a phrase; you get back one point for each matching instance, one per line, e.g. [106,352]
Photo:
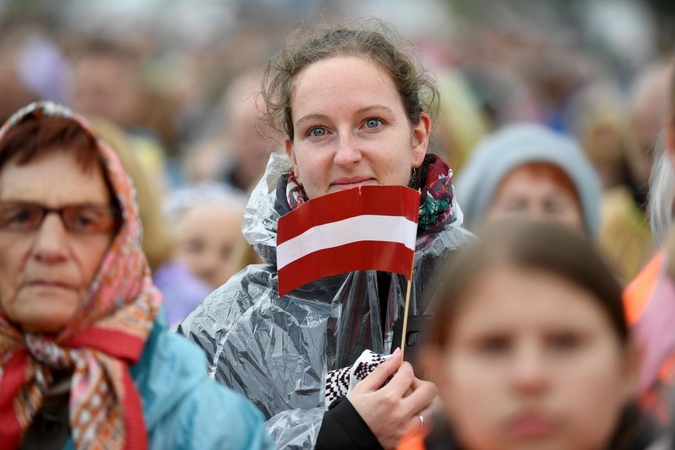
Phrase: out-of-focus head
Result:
[246,132]
[649,105]
[58,217]
[355,108]
[106,83]
[208,220]
[529,347]
[529,171]
[157,244]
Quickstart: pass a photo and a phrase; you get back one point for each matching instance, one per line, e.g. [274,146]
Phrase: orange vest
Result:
[639,292]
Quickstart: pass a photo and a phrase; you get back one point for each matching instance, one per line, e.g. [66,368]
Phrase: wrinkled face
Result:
[533,363]
[207,235]
[45,274]
[536,196]
[351,129]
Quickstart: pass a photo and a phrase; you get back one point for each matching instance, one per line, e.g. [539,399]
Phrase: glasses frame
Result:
[114,212]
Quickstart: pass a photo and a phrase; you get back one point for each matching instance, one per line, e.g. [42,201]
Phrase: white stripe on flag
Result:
[355,229]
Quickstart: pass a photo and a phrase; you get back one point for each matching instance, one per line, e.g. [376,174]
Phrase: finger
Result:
[418,423]
[421,398]
[401,382]
[382,372]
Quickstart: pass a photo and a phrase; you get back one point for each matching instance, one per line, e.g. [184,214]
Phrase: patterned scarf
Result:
[435,199]
[98,346]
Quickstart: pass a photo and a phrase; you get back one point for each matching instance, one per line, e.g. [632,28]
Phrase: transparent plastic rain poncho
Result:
[277,351]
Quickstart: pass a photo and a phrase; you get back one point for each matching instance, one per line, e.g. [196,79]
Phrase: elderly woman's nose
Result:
[347,153]
[50,241]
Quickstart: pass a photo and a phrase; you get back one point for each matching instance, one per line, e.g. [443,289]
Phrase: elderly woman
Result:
[528,170]
[86,360]
[355,110]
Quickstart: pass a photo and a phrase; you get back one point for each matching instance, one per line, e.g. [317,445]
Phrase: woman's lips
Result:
[49,284]
[349,183]
[532,426]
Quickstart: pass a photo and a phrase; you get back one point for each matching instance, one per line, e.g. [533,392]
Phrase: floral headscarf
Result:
[106,337]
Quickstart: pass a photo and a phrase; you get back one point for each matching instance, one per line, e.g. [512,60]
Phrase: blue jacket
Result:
[184,409]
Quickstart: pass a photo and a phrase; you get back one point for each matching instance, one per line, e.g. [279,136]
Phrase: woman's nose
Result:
[51,240]
[347,153]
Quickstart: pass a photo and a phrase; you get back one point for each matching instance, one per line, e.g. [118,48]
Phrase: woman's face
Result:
[351,128]
[207,235]
[533,362]
[45,274]
[536,195]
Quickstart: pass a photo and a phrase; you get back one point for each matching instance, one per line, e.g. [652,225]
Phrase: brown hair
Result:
[550,172]
[542,246]
[34,138]
[374,41]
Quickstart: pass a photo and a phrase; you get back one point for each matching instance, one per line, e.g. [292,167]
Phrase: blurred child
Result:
[530,348]
[207,221]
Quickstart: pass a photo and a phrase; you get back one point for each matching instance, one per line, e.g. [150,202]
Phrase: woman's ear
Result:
[288,145]
[420,139]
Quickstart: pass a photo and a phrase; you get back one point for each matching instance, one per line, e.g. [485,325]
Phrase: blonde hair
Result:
[157,240]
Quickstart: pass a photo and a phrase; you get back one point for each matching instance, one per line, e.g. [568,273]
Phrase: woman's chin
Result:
[45,314]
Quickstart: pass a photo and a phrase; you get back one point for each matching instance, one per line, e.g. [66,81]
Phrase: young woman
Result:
[355,110]
[530,348]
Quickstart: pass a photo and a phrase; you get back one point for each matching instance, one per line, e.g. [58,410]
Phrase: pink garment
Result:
[655,331]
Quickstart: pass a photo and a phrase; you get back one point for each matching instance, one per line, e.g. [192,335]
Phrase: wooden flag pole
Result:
[407,304]
[405,314]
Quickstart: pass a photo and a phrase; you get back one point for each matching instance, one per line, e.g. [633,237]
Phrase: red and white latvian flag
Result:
[365,228]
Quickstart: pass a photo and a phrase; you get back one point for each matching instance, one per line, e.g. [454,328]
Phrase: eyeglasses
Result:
[21,217]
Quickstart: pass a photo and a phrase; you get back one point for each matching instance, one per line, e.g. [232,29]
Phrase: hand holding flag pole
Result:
[365,228]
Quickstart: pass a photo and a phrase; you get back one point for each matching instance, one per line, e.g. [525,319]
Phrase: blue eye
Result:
[373,123]
[317,132]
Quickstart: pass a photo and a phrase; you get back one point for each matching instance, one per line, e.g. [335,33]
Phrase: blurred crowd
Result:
[553,110]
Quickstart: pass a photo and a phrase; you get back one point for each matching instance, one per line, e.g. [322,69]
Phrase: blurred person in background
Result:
[530,171]
[530,349]
[181,290]
[207,220]
[648,108]
[107,82]
[600,123]
[33,68]
[650,298]
[88,361]
[355,110]
[238,155]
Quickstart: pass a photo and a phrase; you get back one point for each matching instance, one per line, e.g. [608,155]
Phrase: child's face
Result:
[533,362]
[206,237]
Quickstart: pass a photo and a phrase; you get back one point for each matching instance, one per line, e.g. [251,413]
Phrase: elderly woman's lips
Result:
[49,284]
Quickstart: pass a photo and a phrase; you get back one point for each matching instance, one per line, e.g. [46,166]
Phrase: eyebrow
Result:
[359,111]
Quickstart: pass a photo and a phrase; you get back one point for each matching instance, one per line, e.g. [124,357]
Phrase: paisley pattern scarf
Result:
[98,346]
[435,199]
